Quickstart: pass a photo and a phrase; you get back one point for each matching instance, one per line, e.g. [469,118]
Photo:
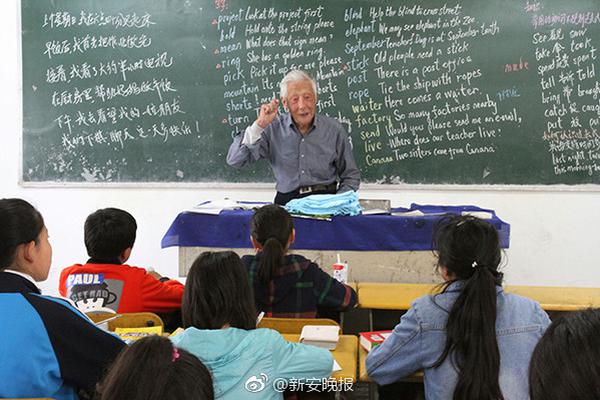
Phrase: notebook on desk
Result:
[325,336]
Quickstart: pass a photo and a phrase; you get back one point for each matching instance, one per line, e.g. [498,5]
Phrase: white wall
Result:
[555,238]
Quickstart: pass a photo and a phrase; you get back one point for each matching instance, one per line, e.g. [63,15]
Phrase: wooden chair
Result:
[294,325]
[127,320]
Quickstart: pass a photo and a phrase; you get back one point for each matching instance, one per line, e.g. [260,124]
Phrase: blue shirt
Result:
[317,157]
[418,340]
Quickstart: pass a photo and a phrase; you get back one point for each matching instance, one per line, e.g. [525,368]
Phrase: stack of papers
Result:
[419,213]
[215,207]
[325,336]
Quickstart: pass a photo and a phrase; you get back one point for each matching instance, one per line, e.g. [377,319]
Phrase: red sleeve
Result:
[160,296]
[62,282]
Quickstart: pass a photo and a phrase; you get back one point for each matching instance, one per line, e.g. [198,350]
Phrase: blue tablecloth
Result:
[231,229]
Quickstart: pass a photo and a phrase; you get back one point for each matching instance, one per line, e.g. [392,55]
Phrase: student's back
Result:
[105,282]
[520,323]
[472,340]
[289,285]
[48,348]
[220,321]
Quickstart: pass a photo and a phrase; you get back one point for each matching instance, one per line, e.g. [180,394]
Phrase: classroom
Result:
[554,219]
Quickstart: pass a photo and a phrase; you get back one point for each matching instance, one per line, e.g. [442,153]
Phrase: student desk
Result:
[345,354]
[398,296]
[382,248]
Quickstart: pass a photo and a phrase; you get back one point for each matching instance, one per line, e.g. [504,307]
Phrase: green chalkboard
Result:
[432,92]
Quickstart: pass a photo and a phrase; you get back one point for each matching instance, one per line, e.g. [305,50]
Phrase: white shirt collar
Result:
[29,278]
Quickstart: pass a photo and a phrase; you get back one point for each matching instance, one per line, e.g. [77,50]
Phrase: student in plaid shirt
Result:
[289,285]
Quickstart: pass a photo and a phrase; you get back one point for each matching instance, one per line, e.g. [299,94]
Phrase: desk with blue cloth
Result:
[378,248]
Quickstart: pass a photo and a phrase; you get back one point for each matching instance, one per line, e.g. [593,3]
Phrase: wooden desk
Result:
[345,354]
[364,377]
[398,296]
[556,298]
[391,296]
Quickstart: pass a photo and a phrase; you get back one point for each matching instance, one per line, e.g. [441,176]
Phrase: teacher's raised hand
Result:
[267,114]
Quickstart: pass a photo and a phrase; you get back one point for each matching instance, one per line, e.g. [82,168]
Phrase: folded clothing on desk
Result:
[326,204]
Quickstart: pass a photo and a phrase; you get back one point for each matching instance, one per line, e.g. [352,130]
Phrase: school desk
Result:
[377,247]
[345,354]
[398,296]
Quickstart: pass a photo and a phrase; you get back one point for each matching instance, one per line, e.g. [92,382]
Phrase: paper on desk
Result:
[413,213]
[478,214]
[216,206]
[336,366]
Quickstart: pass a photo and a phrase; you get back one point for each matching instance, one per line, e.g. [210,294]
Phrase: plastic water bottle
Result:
[340,271]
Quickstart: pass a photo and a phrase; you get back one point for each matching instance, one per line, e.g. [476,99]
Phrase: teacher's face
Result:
[302,102]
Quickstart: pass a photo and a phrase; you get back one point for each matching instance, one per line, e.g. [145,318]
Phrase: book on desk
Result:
[325,336]
[370,340]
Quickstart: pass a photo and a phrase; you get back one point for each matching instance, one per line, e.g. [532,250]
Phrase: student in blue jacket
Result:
[220,320]
[473,341]
[48,348]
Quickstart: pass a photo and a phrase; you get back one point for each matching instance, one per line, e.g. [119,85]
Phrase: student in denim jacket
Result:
[565,364]
[473,341]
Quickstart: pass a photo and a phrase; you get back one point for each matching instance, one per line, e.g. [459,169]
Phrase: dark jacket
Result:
[48,348]
[299,288]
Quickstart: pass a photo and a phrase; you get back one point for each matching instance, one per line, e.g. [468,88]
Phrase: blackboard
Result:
[431,92]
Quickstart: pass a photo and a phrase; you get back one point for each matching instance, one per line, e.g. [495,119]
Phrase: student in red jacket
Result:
[105,281]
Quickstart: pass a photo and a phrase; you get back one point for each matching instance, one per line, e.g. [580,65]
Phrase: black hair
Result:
[271,227]
[153,369]
[20,223]
[469,249]
[109,231]
[217,292]
[565,364]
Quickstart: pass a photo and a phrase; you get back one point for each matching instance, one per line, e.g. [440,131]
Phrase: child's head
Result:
[24,242]
[217,293]
[468,250]
[153,369]
[565,364]
[109,233]
[271,231]
[465,244]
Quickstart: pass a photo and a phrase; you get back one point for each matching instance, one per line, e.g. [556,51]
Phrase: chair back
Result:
[135,320]
[294,325]
[127,320]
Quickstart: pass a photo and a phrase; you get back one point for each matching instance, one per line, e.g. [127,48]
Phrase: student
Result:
[289,285]
[153,369]
[48,348]
[565,364]
[473,341]
[220,320]
[105,281]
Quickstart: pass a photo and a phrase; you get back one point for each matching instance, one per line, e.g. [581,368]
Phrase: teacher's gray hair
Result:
[293,76]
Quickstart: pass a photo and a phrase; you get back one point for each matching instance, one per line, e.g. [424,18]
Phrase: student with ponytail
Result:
[289,285]
[472,340]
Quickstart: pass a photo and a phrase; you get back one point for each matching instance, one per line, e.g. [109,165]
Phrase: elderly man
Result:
[308,152]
